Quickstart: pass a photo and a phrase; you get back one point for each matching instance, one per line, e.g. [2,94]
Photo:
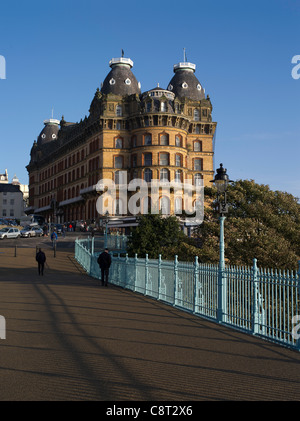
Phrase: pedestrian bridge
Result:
[69,339]
[264,303]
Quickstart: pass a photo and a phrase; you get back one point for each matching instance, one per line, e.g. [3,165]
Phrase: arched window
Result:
[147,139]
[178,176]
[178,205]
[198,146]
[148,106]
[198,179]
[164,205]
[164,139]
[119,142]
[164,175]
[148,175]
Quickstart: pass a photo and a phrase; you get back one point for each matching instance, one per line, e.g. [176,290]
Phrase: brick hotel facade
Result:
[164,134]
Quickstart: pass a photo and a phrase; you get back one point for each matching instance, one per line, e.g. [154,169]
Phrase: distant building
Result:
[4,177]
[11,201]
[161,134]
[24,189]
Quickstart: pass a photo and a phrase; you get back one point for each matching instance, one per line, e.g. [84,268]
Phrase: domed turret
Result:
[184,83]
[120,80]
[49,132]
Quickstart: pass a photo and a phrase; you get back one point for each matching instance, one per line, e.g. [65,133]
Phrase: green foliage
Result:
[155,235]
[261,223]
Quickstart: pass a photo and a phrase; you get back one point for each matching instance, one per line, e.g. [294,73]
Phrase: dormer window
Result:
[163,106]
[119,111]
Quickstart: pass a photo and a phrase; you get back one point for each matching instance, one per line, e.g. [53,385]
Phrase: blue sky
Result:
[57,54]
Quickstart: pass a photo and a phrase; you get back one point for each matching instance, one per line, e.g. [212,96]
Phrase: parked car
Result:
[58,228]
[28,232]
[38,231]
[9,233]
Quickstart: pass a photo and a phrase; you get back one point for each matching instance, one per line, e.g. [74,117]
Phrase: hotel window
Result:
[148,175]
[164,159]
[196,115]
[178,160]
[148,139]
[148,159]
[118,161]
[198,164]
[119,110]
[119,142]
[198,146]
[178,205]
[164,175]
[198,180]
[178,176]
[164,139]
[133,142]
[134,161]
[163,106]
[120,177]
[164,205]
[178,141]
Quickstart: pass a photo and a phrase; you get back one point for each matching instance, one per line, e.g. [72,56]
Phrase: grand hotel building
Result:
[164,134]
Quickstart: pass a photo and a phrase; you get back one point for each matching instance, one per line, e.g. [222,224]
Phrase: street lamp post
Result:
[221,182]
[106,220]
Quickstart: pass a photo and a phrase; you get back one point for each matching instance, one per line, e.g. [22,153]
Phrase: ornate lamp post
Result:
[221,182]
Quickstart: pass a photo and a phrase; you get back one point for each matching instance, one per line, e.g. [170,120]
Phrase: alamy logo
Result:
[153,197]
[2,67]
[2,328]
[295,69]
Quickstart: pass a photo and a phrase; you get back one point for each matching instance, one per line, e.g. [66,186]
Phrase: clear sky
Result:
[57,54]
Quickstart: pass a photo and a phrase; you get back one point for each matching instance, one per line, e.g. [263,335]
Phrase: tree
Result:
[155,235]
[260,223]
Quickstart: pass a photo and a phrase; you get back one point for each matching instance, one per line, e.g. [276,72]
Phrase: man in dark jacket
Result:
[104,261]
[41,259]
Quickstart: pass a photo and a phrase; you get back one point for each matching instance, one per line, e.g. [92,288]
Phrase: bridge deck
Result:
[67,338]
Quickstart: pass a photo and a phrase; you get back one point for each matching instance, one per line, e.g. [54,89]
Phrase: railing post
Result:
[196,286]
[135,271]
[255,309]
[126,270]
[93,245]
[146,274]
[159,276]
[176,280]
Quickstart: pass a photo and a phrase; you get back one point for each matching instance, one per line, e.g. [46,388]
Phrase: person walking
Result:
[54,238]
[41,259]
[104,261]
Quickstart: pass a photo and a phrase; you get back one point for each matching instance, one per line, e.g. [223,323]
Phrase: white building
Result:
[11,201]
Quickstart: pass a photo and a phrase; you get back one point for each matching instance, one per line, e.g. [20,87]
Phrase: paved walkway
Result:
[67,338]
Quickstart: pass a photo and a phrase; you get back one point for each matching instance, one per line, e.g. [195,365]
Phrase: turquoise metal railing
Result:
[258,301]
